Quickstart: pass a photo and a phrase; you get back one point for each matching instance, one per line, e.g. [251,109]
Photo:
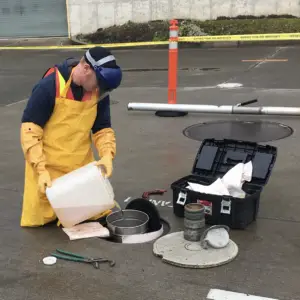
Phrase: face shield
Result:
[109,78]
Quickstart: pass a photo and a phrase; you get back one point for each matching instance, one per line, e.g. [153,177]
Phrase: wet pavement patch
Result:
[252,131]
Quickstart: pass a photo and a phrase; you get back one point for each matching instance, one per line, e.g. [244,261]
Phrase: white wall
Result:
[88,15]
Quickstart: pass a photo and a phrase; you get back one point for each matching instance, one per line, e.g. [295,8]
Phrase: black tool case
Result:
[213,160]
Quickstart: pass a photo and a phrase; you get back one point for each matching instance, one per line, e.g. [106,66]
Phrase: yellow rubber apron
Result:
[67,146]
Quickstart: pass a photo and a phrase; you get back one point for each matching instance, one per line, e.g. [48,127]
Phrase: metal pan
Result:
[127,222]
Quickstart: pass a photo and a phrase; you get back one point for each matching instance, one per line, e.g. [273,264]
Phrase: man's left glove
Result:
[105,143]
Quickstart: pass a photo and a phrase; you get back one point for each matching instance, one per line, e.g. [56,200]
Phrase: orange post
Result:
[173,61]
[172,74]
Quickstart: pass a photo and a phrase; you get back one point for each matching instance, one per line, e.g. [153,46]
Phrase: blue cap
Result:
[108,73]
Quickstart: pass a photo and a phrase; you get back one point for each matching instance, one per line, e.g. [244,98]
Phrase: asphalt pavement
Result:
[152,152]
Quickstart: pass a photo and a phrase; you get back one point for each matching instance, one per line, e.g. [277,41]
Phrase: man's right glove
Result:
[44,181]
[106,162]
[32,146]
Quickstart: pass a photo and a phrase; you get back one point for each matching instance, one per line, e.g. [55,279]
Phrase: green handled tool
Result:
[61,254]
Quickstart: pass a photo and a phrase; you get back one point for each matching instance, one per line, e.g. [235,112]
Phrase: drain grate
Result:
[252,131]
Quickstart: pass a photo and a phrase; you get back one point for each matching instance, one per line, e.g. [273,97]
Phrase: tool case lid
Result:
[216,157]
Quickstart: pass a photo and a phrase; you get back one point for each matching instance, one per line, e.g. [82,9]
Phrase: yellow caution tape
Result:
[242,38]
[191,39]
[113,45]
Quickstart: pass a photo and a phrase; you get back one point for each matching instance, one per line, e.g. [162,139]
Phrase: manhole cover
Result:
[258,131]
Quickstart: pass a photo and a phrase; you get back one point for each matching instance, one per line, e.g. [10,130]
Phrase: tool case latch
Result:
[181,198]
[226,207]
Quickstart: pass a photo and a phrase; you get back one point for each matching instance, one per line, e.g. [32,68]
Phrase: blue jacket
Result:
[41,103]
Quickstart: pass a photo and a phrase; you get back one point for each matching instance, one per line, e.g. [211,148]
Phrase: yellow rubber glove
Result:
[106,164]
[105,143]
[32,146]
[44,181]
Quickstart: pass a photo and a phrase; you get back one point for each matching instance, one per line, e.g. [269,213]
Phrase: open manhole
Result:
[252,131]
[166,227]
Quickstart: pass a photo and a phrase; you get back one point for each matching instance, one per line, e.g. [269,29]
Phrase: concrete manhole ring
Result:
[173,249]
[252,131]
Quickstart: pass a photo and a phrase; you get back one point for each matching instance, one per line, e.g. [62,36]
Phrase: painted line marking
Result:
[269,57]
[215,294]
[265,60]
[127,199]
[17,102]
[194,88]
[160,203]
[229,85]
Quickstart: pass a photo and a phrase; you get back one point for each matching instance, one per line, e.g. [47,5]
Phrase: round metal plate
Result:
[252,131]
[175,250]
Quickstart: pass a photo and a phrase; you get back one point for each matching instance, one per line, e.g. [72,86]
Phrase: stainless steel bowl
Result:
[127,222]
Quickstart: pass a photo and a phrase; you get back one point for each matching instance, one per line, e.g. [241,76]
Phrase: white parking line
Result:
[215,294]
[17,102]
[229,85]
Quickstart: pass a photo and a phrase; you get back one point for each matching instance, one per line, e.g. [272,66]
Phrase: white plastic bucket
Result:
[80,195]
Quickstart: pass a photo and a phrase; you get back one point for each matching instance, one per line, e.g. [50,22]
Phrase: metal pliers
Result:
[78,258]
[154,192]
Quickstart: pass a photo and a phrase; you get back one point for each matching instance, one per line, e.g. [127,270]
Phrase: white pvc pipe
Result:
[222,109]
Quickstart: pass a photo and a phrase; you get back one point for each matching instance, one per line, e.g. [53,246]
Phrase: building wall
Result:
[33,18]
[89,15]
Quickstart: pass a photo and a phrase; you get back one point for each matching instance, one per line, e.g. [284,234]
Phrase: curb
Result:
[24,42]
[77,42]
[205,45]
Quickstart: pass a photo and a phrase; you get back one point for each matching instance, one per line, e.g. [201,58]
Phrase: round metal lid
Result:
[252,131]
